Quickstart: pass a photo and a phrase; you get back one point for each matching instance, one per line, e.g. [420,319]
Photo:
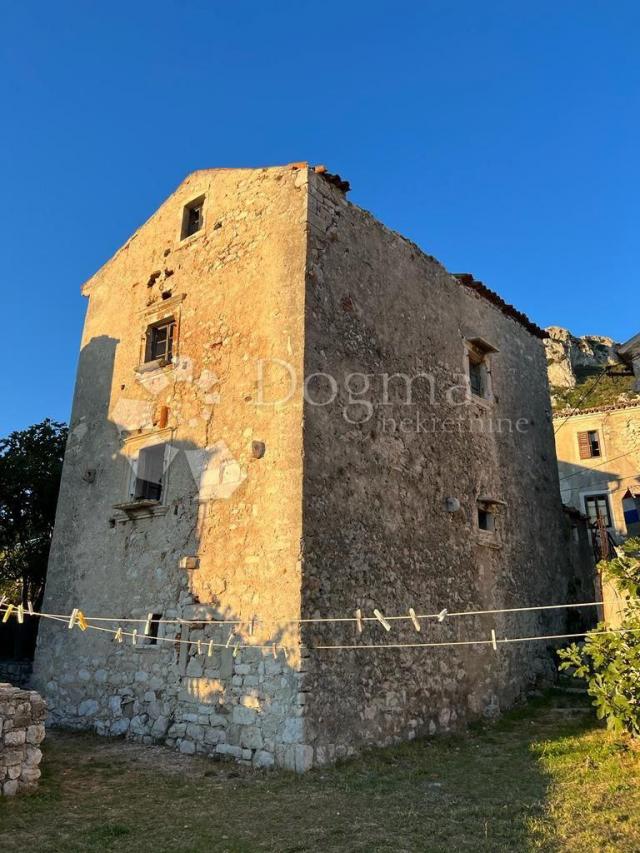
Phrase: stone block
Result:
[33,756]
[10,788]
[15,738]
[244,716]
[119,727]
[293,730]
[88,708]
[195,668]
[263,759]
[30,774]
[229,750]
[303,758]
[251,737]
[35,734]
[214,736]
[159,727]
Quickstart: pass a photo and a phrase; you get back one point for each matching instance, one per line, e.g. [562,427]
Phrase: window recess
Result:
[589,446]
[148,481]
[192,218]
[160,341]
[478,353]
[597,507]
[488,511]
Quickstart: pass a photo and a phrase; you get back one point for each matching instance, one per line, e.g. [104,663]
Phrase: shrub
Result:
[610,662]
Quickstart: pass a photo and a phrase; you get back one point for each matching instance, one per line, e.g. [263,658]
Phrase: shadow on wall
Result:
[578,483]
[193,687]
[18,641]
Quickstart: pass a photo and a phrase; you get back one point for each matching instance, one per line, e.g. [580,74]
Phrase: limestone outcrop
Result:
[568,354]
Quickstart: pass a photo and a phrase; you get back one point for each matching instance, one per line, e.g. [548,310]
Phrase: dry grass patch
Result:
[545,778]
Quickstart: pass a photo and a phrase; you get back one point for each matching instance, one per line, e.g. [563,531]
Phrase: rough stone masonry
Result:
[286,411]
[22,714]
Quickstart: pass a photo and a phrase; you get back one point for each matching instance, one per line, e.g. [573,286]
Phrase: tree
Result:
[30,470]
[610,660]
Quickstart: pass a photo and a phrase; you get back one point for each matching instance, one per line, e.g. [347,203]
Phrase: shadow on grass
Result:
[483,791]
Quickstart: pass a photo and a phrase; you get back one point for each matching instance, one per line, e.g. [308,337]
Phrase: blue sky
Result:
[500,136]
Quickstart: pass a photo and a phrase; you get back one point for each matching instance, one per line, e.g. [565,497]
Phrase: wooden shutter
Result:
[583,445]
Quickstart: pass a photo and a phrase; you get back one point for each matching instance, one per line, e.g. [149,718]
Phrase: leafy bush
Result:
[610,662]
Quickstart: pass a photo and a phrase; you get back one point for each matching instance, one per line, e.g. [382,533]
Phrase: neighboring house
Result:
[599,464]
[285,411]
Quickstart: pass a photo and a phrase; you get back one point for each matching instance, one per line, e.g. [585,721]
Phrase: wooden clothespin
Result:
[210,649]
[118,635]
[286,653]
[228,643]
[147,624]
[359,620]
[414,619]
[274,650]
[20,614]
[382,620]
[2,600]
[81,621]
[30,608]
[134,637]
[72,618]
[235,649]
[494,642]
[8,612]
[199,647]
[442,615]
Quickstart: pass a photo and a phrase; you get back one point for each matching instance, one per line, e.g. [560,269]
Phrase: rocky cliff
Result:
[574,365]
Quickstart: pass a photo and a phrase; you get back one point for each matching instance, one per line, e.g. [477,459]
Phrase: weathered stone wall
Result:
[377,530]
[22,714]
[16,672]
[236,291]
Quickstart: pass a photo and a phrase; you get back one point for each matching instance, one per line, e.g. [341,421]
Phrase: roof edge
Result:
[612,407]
[468,280]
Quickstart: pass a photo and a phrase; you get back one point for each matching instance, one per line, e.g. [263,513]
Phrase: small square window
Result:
[488,526]
[192,217]
[159,344]
[154,629]
[486,519]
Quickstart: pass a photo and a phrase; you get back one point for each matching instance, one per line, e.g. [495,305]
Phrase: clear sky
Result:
[503,137]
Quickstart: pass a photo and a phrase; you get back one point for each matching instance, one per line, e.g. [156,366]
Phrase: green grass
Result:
[616,384]
[544,778]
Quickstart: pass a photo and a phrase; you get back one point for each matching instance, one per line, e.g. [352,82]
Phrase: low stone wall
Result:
[22,714]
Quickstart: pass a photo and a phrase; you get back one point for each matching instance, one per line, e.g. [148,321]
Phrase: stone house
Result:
[285,411]
[599,462]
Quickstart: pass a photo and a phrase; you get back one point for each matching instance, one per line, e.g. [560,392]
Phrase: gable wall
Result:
[236,289]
